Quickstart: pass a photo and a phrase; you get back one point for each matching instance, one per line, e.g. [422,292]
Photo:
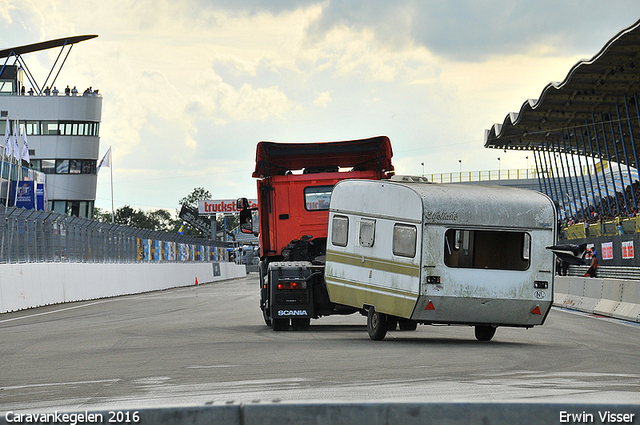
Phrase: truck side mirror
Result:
[246,218]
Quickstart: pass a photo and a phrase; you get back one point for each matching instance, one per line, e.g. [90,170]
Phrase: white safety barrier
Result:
[31,285]
[607,297]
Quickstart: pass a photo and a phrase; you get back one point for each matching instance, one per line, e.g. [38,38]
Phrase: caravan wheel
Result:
[376,325]
[485,333]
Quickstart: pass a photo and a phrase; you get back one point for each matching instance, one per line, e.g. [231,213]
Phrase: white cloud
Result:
[322,99]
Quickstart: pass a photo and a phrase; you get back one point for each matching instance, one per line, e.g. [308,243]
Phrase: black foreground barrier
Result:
[344,414]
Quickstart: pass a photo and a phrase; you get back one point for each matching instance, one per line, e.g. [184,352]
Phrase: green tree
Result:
[160,220]
[198,194]
[101,215]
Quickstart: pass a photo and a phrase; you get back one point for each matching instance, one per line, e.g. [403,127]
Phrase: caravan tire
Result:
[376,325]
[485,333]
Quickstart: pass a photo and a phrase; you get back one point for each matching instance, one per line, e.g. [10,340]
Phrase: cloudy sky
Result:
[190,86]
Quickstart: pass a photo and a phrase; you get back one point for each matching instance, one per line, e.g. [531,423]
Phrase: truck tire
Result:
[485,333]
[300,324]
[408,325]
[280,324]
[267,319]
[376,325]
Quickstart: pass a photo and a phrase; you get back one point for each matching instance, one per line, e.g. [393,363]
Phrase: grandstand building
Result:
[584,136]
[62,124]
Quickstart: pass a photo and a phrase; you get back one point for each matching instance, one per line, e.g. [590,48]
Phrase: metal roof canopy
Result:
[597,94]
[17,52]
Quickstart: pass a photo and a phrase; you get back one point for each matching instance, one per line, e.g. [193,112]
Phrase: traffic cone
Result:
[196,281]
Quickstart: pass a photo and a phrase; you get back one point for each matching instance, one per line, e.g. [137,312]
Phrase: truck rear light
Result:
[293,284]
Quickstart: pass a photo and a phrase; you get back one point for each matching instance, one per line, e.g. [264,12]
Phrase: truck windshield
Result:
[317,198]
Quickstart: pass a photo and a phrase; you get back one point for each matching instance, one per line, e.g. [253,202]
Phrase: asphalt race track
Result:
[209,344]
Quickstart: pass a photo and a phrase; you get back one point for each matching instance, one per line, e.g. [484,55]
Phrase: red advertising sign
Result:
[607,250]
[222,206]
[627,249]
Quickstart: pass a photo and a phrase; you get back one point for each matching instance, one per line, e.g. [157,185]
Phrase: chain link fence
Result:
[30,236]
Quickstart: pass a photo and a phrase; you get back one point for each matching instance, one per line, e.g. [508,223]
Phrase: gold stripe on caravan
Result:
[373,263]
[386,300]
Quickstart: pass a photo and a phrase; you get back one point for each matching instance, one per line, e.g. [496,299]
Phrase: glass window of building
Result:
[49,128]
[48,166]
[62,166]
[74,166]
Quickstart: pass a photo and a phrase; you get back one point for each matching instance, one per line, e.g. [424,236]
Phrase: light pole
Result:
[498,168]
[422,163]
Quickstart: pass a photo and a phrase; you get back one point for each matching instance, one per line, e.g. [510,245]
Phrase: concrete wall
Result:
[607,297]
[31,285]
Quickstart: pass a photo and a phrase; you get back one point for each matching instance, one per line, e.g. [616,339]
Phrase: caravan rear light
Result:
[433,280]
[293,284]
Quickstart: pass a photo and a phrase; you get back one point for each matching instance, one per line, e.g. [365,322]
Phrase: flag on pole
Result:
[7,140]
[25,147]
[16,148]
[105,161]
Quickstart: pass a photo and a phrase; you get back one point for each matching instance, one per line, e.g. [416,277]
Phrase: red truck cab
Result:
[295,182]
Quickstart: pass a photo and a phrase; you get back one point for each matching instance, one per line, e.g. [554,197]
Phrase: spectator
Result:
[74,91]
[55,91]
[591,272]
[67,91]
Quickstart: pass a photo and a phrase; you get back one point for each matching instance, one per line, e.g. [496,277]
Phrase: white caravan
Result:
[408,252]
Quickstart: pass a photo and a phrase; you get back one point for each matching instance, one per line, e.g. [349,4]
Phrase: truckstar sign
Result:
[222,206]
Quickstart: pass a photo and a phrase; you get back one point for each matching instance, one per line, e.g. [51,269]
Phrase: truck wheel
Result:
[267,319]
[408,325]
[280,324]
[376,325]
[485,333]
[300,324]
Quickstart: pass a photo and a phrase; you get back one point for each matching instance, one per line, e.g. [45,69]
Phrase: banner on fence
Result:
[607,250]
[30,195]
[627,250]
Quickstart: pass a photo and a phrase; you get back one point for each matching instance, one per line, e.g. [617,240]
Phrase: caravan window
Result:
[367,232]
[487,249]
[339,230]
[404,240]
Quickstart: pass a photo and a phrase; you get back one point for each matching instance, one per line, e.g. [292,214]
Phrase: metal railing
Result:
[30,236]
[478,176]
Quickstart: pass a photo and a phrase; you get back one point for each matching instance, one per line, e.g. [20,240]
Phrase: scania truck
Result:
[295,182]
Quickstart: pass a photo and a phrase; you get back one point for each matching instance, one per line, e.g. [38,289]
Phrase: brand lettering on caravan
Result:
[292,312]
[222,206]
